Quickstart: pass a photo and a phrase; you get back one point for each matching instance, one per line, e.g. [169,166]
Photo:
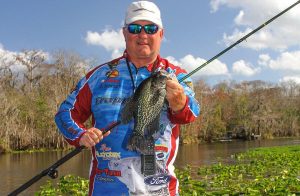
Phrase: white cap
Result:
[143,10]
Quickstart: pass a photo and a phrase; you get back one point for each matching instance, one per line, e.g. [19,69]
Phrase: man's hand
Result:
[91,137]
[175,95]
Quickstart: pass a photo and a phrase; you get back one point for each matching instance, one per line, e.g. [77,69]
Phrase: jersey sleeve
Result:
[73,112]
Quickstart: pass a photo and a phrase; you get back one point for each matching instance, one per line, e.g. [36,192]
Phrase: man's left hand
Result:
[175,95]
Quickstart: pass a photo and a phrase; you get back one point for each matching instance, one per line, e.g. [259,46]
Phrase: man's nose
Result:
[143,33]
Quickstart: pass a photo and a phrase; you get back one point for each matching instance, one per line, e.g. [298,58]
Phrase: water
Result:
[205,154]
[16,169]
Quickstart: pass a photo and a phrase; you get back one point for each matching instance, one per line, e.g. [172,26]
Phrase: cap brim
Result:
[145,17]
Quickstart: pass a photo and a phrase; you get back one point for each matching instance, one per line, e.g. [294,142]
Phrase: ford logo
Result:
[157,180]
[160,155]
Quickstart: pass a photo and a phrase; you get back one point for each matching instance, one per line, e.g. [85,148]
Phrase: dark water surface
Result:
[16,169]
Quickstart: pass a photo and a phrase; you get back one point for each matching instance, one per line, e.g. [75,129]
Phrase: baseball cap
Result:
[143,10]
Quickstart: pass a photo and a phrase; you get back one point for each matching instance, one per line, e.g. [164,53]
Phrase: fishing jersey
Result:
[101,94]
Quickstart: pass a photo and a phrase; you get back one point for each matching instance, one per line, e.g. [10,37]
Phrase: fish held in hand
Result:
[145,107]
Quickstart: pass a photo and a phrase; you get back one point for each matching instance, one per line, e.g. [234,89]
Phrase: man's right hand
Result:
[91,137]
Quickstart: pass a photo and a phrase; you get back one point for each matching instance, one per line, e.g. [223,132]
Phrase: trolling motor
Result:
[53,173]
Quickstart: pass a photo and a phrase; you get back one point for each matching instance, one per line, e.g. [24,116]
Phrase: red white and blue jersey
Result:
[101,94]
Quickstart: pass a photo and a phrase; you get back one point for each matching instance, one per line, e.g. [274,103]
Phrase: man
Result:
[115,170]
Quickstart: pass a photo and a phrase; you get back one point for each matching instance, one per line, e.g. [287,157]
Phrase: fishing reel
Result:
[53,173]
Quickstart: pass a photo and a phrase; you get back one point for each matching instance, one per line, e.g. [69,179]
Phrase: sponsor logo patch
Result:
[114,63]
[105,148]
[103,179]
[189,84]
[157,180]
[163,191]
[108,172]
[110,82]
[112,73]
[161,148]
[105,100]
[109,155]
[106,153]
[72,131]
[160,155]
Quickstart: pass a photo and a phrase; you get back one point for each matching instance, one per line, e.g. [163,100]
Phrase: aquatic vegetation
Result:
[261,171]
[67,185]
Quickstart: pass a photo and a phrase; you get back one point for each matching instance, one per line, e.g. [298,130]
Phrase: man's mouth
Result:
[142,43]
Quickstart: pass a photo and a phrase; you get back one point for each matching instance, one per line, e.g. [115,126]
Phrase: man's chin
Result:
[144,54]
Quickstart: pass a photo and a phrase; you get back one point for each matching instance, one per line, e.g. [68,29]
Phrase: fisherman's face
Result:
[143,46]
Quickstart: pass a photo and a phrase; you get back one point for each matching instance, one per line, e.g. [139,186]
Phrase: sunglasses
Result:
[136,28]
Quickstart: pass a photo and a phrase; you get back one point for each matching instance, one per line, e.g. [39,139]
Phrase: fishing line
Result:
[52,172]
[237,42]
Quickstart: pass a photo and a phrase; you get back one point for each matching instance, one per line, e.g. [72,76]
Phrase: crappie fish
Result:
[145,107]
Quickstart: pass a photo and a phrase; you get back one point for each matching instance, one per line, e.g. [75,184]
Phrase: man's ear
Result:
[162,34]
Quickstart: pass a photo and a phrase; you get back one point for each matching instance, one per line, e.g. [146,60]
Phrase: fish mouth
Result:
[166,76]
[164,73]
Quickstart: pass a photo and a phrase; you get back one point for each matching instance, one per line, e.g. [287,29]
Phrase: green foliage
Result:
[41,109]
[28,105]
[262,171]
[188,185]
[258,107]
[67,185]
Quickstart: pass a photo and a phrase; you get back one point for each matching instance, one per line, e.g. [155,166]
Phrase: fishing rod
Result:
[237,42]
[52,172]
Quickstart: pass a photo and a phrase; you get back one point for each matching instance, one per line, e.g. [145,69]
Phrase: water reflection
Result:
[204,154]
[16,169]
[19,168]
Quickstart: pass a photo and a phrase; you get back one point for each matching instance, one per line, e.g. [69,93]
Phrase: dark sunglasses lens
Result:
[151,29]
[134,28]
